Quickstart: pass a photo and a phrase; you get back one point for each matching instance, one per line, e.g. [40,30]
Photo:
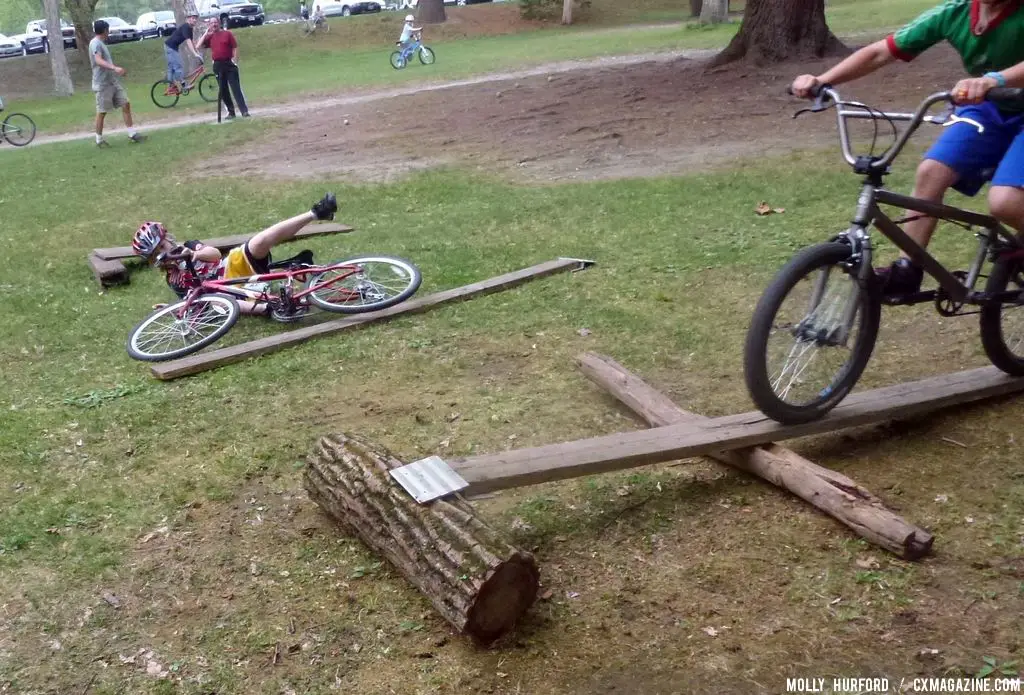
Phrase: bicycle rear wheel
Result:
[379,282]
[18,129]
[809,333]
[426,55]
[1004,345]
[174,332]
[208,87]
[161,95]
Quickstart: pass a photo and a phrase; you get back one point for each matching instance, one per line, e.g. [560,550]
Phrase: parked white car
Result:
[120,30]
[153,25]
[10,47]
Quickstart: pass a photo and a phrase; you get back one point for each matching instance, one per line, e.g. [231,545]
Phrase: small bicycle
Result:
[832,328]
[399,59]
[17,129]
[165,95]
[311,25]
[289,292]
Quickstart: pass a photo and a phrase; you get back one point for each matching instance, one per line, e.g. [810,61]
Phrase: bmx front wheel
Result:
[1004,344]
[367,283]
[161,95]
[176,331]
[18,129]
[397,60]
[426,55]
[208,87]
[813,319]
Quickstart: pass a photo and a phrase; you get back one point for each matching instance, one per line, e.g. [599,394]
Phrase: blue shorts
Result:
[997,155]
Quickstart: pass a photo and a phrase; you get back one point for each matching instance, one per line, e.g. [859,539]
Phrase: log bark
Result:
[774,31]
[831,492]
[478,582]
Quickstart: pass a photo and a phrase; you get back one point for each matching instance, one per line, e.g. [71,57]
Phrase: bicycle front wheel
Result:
[1002,323]
[811,336]
[397,60]
[426,55]
[363,284]
[161,95]
[174,332]
[208,87]
[18,129]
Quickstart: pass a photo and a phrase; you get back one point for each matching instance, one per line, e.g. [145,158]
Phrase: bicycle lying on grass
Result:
[17,129]
[842,320]
[290,290]
[399,59]
[165,95]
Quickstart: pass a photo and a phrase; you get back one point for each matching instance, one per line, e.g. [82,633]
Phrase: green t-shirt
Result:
[999,46]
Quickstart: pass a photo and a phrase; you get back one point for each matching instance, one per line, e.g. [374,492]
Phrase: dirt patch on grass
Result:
[658,117]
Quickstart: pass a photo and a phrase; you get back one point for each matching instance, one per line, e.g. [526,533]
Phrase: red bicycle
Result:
[288,293]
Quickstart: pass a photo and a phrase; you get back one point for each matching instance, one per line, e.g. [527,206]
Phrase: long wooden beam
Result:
[193,364]
[831,492]
[615,452]
[225,243]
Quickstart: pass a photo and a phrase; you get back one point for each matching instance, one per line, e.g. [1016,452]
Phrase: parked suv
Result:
[241,13]
[155,24]
[35,41]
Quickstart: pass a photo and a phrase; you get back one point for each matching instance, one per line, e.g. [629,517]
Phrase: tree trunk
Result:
[831,492]
[774,31]
[62,85]
[431,12]
[695,7]
[81,12]
[477,581]
[714,12]
[567,11]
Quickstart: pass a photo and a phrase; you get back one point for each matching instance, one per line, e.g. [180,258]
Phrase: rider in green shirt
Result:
[989,36]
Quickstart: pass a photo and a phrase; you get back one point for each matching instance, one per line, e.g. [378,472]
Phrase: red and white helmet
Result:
[147,238]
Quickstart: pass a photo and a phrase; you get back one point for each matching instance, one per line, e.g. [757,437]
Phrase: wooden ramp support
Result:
[201,362]
[477,581]
[829,491]
[107,265]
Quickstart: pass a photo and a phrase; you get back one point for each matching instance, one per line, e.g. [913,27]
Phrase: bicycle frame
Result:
[409,52]
[994,236]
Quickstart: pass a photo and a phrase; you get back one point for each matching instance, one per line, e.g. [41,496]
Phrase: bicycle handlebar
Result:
[1007,96]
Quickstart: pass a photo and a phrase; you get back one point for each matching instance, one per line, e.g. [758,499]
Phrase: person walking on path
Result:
[224,51]
[106,82]
[181,35]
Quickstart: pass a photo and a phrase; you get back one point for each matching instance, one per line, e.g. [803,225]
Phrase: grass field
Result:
[278,64]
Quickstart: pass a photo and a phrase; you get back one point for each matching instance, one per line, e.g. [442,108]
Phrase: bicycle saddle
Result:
[304,257]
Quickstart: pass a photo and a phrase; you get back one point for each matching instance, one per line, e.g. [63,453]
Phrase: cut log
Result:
[108,272]
[479,583]
[829,491]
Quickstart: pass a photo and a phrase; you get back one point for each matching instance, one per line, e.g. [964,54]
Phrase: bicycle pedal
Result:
[910,299]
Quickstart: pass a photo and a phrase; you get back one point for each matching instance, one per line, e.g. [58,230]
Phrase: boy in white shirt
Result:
[408,32]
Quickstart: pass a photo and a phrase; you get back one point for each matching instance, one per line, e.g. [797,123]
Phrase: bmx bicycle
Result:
[289,291]
[165,95]
[17,129]
[831,327]
[401,58]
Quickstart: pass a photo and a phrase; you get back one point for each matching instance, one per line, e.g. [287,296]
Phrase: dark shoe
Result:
[245,115]
[138,137]
[900,278]
[325,209]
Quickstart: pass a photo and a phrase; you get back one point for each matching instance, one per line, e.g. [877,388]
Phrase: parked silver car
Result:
[10,47]
[120,30]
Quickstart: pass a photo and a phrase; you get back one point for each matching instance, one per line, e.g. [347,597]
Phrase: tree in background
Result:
[774,31]
[431,12]
[62,85]
[714,11]
[81,13]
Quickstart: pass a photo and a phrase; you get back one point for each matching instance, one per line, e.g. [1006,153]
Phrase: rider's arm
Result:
[192,47]
[1014,76]
[202,252]
[858,64]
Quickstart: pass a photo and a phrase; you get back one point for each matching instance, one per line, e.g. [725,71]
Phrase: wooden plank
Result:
[616,452]
[833,493]
[229,242]
[108,272]
[193,364]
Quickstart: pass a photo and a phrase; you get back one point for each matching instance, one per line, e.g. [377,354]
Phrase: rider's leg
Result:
[258,248]
[1006,197]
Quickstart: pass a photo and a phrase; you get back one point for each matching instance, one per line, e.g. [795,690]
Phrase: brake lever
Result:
[953,118]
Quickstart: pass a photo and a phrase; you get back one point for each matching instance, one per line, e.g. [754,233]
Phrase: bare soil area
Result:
[657,117]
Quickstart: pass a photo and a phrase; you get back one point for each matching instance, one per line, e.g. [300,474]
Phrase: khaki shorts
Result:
[111,97]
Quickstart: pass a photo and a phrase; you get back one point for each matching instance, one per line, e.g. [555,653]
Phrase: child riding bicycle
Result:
[986,34]
[153,242]
[409,33]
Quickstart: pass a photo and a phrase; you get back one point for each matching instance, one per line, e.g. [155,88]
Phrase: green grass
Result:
[278,65]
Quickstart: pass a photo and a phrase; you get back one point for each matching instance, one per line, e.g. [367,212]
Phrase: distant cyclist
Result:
[181,35]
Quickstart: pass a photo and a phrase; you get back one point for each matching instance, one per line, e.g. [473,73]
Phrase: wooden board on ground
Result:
[107,272]
[229,242]
[831,492]
[193,364]
[543,464]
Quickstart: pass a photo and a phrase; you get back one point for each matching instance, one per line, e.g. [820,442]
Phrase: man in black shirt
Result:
[183,34]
